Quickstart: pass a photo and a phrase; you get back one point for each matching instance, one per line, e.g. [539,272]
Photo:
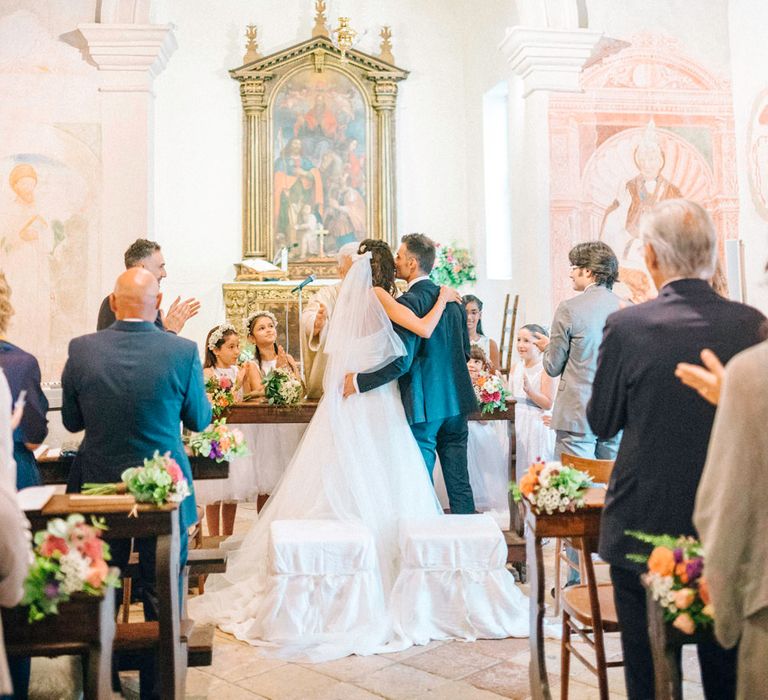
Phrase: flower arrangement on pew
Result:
[282,388]
[490,392]
[675,579]
[219,442]
[159,481]
[453,266]
[551,487]
[221,393]
[69,557]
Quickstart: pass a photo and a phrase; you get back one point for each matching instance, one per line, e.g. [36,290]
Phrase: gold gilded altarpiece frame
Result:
[259,81]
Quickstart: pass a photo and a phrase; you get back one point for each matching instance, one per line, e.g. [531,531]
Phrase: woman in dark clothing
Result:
[23,374]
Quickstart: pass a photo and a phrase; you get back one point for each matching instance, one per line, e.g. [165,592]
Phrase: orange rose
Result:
[537,467]
[97,573]
[528,483]
[684,598]
[681,571]
[661,561]
[685,623]
[704,591]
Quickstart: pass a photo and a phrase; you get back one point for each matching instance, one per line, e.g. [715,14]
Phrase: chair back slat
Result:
[599,469]
[508,321]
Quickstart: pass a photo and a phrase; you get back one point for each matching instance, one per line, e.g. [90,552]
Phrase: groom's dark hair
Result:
[421,248]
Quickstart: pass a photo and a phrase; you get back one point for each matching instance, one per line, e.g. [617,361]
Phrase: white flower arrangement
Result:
[282,388]
[552,488]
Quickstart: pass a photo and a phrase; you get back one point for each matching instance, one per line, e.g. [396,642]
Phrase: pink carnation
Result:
[174,470]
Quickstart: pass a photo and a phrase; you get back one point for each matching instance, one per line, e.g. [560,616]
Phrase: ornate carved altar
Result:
[318,164]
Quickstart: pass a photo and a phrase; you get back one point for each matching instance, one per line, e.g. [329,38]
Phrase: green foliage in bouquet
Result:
[453,266]
[281,388]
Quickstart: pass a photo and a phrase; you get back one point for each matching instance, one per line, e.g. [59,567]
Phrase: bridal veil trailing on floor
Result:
[357,463]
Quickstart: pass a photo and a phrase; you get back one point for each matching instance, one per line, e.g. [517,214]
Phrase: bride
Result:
[357,461]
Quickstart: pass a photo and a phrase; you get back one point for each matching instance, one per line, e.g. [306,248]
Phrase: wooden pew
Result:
[161,522]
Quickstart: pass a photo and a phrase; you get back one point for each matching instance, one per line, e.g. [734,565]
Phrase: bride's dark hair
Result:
[382,264]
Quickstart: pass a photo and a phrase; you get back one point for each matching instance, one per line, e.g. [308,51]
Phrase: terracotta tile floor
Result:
[480,670]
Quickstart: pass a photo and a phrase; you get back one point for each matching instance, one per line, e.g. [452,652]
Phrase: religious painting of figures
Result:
[47,206]
[320,180]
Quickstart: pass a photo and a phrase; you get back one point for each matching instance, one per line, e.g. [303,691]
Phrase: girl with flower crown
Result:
[269,463]
[220,496]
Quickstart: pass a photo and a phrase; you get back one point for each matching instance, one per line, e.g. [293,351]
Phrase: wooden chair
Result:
[588,612]
[600,471]
[508,321]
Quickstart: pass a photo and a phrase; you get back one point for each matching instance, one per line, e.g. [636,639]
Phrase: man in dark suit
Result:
[434,381]
[129,387]
[147,254]
[666,425]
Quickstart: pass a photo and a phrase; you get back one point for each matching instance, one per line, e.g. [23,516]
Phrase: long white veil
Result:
[337,471]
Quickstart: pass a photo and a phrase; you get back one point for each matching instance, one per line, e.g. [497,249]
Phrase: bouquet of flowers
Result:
[219,442]
[221,392]
[552,488]
[454,266]
[69,557]
[281,388]
[159,481]
[491,393]
[675,579]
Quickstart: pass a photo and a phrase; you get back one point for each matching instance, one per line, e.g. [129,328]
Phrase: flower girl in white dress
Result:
[533,389]
[277,442]
[220,496]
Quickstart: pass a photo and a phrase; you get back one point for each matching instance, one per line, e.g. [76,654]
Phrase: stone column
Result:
[128,57]
[541,61]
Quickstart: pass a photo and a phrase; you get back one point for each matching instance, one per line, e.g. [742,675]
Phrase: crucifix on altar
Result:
[318,164]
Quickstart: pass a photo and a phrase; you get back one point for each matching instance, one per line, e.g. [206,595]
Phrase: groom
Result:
[434,381]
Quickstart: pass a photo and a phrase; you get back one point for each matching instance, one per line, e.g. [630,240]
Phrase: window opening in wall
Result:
[498,225]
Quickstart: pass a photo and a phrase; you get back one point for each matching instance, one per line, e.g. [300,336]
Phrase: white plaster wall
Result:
[749,54]
[198,135]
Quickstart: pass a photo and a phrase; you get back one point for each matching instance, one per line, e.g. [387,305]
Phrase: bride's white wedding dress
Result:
[357,461]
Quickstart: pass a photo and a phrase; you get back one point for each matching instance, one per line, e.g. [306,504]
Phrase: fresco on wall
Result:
[50,180]
[319,182]
[757,154]
[651,125]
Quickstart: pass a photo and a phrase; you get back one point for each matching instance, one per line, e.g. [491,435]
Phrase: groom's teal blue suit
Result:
[436,390]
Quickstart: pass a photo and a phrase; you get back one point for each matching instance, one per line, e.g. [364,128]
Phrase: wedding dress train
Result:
[357,461]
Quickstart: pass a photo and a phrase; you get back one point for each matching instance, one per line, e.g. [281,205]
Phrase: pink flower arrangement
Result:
[490,392]
[69,557]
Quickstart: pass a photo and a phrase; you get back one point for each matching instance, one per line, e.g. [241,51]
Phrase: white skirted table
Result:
[453,582]
[323,580]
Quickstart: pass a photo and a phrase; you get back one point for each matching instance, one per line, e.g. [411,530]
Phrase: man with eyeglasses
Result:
[571,349]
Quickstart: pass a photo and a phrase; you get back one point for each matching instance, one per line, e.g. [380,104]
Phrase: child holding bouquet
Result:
[279,440]
[225,384]
[533,390]
[487,449]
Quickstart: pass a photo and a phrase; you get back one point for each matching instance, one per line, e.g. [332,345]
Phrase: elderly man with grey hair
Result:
[666,425]
[314,324]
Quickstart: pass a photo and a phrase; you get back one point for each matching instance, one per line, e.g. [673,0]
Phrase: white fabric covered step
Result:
[453,582]
[323,581]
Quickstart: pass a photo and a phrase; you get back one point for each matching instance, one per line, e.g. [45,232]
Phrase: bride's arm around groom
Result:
[435,386]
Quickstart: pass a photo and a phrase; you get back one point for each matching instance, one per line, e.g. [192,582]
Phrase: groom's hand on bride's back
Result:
[349,385]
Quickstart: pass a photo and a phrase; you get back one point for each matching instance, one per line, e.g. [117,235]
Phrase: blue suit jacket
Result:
[666,424]
[433,376]
[23,372]
[130,386]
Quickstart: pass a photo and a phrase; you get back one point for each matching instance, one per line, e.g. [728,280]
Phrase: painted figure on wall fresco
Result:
[620,227]
[320,138]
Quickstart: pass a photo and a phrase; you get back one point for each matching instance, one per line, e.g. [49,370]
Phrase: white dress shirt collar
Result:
[416,281]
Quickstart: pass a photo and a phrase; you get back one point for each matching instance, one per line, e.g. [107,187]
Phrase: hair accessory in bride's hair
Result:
[218,335]
[257,314]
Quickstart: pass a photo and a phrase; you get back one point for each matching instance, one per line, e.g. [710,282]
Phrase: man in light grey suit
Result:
[571,349]
[731,518]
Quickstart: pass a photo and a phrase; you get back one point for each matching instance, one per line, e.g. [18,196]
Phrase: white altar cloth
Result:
[453,582]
